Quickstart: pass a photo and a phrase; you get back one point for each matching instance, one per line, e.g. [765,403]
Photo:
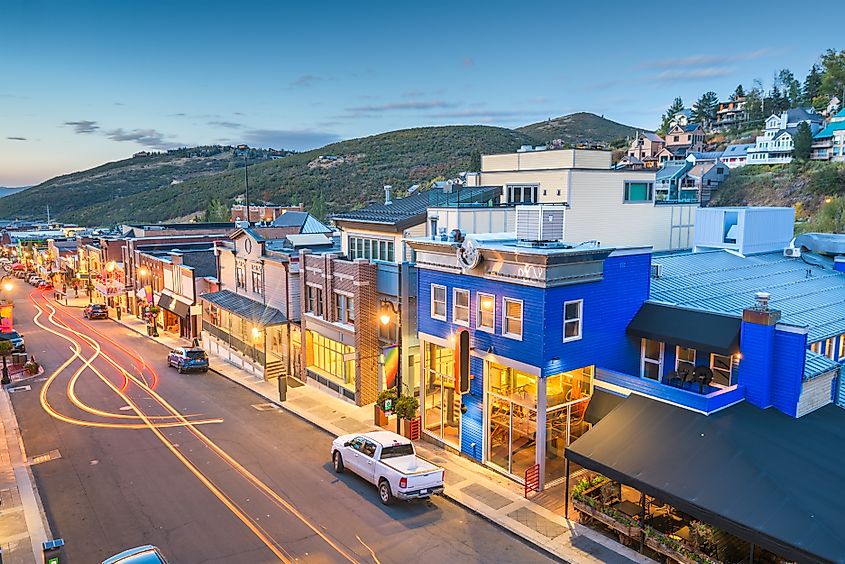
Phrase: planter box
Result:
[658,546]
[632,531]
[379,416]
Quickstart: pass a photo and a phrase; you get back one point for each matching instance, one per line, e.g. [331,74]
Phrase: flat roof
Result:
[507,242]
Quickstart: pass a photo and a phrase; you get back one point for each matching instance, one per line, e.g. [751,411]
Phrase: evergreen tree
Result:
[803,142]
[704,109]
[754,103]
[789,87]
[738,93]
[216,211]
[677,106]
[833,76]
[812,84]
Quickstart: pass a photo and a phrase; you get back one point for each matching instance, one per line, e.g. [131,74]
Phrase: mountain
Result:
[579,128]
[8,191]
[350,173]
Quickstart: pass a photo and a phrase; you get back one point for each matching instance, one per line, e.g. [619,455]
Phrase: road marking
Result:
[265,406]
[20,389]
[46,457]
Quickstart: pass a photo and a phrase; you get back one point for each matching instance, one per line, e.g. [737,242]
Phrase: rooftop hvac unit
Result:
[540,223]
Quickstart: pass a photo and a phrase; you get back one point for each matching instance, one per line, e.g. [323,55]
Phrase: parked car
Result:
[186,359]
[18,344]
[390,462]
[142,555]
[95,311]
[45,285]
[34,279]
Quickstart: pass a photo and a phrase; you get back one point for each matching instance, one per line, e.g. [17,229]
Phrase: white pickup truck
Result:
[388,461]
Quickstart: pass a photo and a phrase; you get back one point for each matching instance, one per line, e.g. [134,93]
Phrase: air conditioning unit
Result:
[792,252]
[241,224]
[656,270]
[540,223]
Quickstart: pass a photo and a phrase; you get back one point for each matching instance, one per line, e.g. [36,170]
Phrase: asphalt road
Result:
[238,485]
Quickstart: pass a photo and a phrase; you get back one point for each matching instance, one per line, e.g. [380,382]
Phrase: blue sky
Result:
[86,82]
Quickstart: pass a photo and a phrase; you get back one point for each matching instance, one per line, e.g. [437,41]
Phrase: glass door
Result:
[511,419]
[441,404]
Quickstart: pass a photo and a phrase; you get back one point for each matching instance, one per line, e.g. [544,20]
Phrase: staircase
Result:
[275,368]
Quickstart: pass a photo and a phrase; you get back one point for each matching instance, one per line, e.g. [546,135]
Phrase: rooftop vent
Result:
[540,223]
[761,300]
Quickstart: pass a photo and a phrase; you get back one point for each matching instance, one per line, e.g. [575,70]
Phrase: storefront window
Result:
[512,417]
[327,357]
[442,406]
[569,386]
[567,395]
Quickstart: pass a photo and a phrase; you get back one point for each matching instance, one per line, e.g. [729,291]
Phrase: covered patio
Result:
[769,481]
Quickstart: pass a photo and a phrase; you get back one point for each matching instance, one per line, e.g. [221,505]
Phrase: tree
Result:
[812,84]
[755,104]
[738,93]
[789,87]
[803,142]
[5,350]
[216,211]
[677,106]
[704,109]
[833,75]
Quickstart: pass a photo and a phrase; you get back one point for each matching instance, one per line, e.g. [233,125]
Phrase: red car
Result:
[95,311]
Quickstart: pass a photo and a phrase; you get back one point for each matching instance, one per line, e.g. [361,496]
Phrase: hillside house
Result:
[645,148]
[682,140]
[777,143]
[829,143]
[731,113]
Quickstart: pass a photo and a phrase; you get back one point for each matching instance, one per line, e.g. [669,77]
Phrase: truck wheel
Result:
[384,492]
[338,462]
[180,369]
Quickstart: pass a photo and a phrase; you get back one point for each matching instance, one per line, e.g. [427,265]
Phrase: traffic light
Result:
[462,361]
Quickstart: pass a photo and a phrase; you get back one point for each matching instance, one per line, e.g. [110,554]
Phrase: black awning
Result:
[173,304]
[244,307]
[701,330]
[756,473]
[601,403]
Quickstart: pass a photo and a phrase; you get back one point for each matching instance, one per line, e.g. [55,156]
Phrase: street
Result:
[188,463]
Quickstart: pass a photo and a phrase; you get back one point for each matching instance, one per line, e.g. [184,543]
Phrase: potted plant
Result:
[31,367]
[5,350]
[384,405]
[406,410]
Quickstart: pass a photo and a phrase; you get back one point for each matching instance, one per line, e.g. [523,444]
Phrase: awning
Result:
[251,310]
[174,304]
[701,330]
[601,403]
[756,473]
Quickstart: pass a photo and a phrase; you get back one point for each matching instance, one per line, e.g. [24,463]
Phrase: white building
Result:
[616,207]
[777,143]
[829,143]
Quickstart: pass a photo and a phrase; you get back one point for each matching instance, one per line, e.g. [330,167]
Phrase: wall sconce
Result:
[388,311]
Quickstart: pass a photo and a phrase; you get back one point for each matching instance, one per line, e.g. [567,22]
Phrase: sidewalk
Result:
[22,524]
[471,485]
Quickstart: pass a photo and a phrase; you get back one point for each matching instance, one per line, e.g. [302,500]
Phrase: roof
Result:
[691,127]
[737,150]
[829,129]
[756,473]
[806,294]
[700,170]
[816,364]
[412,209]
[669,171]
[249,309]
[387,438]
[706,155]
[600,404]
[695,329]
[146,554]
[840,113]
[795,115]
[652,136]
[306,222]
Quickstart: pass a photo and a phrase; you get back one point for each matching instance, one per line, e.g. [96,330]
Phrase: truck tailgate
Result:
[419,473]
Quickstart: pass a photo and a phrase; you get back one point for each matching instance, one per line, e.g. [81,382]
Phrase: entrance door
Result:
[441,403]
[511,420]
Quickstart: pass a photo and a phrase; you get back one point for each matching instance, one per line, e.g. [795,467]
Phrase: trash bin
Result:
[149,330]
[52,551]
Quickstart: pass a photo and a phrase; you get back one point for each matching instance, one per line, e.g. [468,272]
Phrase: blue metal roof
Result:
[806,294]
[829,129]
[670,171]
[816,364]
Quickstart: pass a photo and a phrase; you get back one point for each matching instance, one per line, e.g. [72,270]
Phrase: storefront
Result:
[176,315]
[441,405]
[330,362]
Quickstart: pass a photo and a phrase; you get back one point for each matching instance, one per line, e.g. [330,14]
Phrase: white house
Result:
[829,143]
[777,143]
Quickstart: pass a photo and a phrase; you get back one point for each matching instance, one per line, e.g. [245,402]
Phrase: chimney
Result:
[433,220]
[761,300]
[387,188]
[175,258]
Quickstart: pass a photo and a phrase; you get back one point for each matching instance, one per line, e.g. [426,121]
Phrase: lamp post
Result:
[388,315]
[245,149]
[5,346]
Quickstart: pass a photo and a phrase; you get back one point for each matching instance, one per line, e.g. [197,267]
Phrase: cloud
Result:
[398,106]
[83,126]
[704,73]
[468,62]
[294,139]
[16,138]
[708,61]
[305,80]
[146,137]
[226,124]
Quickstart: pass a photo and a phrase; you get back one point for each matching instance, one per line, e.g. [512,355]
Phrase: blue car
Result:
[142,555]
[186,359]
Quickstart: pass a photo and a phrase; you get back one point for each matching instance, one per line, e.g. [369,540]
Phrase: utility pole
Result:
[246,182]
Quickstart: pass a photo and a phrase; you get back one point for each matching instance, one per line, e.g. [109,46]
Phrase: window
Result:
[344,308]
[638,191]
[376,249]
[816,347]
[684,358]
[331,359]
[486,312]
[460,307]
[521,194]
[315,301]
[721,366]
[676,138]
[438,302]
[830,347]
[512,324]
[651,366]
[720,170]
[842,348]
[572,320]
[369,449]
[256,281]
[240,275]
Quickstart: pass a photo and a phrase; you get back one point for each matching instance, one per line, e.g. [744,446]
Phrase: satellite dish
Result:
[469,255]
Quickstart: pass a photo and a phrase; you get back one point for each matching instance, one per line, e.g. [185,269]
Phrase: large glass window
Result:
[441,405]
[376,249]
[652,359]
[513,318]
[522,194]
[572,320]
[486,315]
[512,418]
[460,307]
[438,302]
[638,191]
[331,359]
[721,366]
[567,395]
[684,358]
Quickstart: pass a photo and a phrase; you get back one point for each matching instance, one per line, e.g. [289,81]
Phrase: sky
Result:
[86,82]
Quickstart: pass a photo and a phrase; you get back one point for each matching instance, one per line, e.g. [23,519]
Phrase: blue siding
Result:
[472,422]
[609,306]
[788,370]
[756,344]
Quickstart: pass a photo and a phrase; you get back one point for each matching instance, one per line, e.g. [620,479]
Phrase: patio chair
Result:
[611,492]
[703,375]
